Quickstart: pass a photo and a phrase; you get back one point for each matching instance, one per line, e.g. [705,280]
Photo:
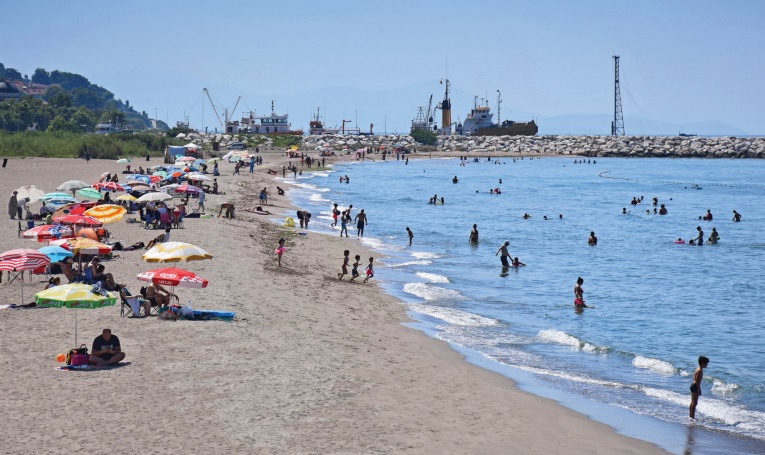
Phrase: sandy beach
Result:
[310,364]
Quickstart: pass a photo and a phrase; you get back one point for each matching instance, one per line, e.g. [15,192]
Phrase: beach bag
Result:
[78,356]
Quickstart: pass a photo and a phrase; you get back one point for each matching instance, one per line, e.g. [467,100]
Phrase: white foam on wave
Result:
[432,277]
[321,174]
[372,242]
[425,255]
[407,263]
[431,293]
[556,336]
[656,365]
[454,316]
[317,197]
[723,388]
[309,186]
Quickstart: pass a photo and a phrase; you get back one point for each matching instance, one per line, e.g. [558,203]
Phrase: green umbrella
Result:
[162,174]
[90,193]
[74,296]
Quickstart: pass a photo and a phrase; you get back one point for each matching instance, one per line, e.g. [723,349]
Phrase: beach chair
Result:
[87,276]
[126,309]
[165,220]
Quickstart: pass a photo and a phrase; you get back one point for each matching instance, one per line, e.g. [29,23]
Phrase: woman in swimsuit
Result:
[579,293]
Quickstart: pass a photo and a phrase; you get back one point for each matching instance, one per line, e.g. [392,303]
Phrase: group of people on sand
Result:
[370,272]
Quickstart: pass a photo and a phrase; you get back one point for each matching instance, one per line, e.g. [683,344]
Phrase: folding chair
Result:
[127,309]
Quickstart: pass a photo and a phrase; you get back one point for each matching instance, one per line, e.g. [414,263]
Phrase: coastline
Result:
[309,366]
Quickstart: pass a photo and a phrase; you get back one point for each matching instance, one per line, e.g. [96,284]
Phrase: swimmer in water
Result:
[592,240]
[713,237]
[624,211]
[517,263]
[579,293]
[736,217]
[474,234]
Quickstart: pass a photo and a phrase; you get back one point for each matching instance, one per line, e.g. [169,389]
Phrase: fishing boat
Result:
[316,126]
[268,124]
[479,122]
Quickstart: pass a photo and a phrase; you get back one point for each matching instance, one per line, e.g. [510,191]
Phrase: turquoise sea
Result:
[657,305]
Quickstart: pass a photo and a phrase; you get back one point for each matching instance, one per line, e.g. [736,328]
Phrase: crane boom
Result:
[213,107]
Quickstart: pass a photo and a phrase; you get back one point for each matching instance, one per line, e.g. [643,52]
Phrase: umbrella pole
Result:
[75,327]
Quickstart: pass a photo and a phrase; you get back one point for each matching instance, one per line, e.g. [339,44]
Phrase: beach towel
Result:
[91,367]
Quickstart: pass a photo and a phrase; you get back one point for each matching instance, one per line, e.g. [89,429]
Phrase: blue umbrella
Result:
[57,196]
[55,253]
[139,178]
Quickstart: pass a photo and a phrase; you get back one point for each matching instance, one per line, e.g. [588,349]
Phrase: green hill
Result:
[63,101]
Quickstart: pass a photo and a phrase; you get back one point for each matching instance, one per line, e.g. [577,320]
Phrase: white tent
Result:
[191,145]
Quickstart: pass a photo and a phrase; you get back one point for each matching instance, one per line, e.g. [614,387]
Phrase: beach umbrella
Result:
[170,276]
[175,252]
[188,189]
[213,160]
[141,188]
[61,196]
[110,186]
[155,196]
[186,159]
[32,192]
[90,193]
[78,220]
[127,197]
[198,177]
[72,185]
[123,161]
[20,260]
[76,208]
[87,232]
[138,178]
[162,174]
[55,253]
[107,213]
[83,245]
[75,296]
[48,232]
[199,162]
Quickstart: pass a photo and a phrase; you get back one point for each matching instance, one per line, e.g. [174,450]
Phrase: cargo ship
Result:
[479,122]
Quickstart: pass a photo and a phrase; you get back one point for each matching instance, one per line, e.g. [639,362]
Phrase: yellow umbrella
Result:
[175,252]
[106,213]
[74,296]
[127,197]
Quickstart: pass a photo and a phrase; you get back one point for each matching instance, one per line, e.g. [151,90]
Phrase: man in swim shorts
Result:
[361,222]
[698,375]
[503,249]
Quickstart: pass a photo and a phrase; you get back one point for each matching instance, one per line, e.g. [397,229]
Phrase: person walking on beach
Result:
[698,375]
[474,234]
[344,267]
[370,270]
[355,269]
[579,293]
[13,206]
[503,249]
[410,234]
[279,251]
[361,221]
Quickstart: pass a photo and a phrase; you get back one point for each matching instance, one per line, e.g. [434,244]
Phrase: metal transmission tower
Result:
[617,126]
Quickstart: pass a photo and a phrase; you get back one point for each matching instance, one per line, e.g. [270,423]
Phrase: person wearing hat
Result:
[13,206]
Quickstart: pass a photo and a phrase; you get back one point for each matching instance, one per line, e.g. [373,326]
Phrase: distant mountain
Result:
[600,124]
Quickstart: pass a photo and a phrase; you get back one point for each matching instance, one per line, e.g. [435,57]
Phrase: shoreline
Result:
[309,366]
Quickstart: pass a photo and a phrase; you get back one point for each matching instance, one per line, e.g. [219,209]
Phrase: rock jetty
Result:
[602,146]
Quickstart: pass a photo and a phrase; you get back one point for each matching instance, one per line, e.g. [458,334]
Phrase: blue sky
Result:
[683,62]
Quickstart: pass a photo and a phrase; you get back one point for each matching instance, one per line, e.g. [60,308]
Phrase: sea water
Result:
[656,305]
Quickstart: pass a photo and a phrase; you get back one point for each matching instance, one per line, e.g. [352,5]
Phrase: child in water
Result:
[517,263]
[698,375]
[280,250]
[370,270]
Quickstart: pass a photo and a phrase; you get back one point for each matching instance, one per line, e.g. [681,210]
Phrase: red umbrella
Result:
[78,220]
[109,186]
[187,189]
[48,232]
[171,276]
[20,260]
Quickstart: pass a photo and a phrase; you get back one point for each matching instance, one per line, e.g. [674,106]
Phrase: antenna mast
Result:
[499,102]
[617,126]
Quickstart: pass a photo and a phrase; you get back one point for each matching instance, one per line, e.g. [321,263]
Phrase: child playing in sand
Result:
[355,269]
[280,250]
[344,268]
[370,270]
[696,386]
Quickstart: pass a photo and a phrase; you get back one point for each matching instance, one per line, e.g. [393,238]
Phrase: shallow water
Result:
[657,305]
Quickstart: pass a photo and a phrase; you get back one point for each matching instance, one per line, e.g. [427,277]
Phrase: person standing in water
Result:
[698,375]
[579,293]
[592,240]
[503,249]
[736,217]
[361,222]
[474,234]
[410,234]
[700,238]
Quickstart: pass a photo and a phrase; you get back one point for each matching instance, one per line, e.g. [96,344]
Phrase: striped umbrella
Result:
[48,232]
[20,260]
[107,213]
[110,186]
[175,252]
[83,245]
[138,178]
[90,193]
[76,296]
[78,220]
[170,276]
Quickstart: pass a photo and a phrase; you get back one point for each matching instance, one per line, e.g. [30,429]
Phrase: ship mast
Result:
[499,101]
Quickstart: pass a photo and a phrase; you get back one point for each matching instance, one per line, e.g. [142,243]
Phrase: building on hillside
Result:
[36,91]
[8,91]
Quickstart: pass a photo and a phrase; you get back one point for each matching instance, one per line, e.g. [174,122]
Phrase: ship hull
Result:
[516,129]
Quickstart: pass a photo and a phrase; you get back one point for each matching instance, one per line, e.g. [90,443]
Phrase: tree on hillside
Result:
[12,73]
[2,71]
[41,76]
[61,99]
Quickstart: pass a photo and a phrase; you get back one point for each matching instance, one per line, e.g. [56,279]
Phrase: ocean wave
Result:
[431,293]
[659,366]
[316,197]
[407,263]
[425,255]
[321,174]
[372,242]
[309,186]
[723,388]
[432,277]
[556,336]
[454,316]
